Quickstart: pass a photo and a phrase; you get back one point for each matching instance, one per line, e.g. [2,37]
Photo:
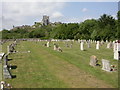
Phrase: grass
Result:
[46,68]
[0,71]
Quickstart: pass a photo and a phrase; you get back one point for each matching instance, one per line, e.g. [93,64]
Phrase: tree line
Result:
[104,28]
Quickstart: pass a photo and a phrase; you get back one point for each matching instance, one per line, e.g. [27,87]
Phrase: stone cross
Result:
[97,45]
[106,65]
[93,60]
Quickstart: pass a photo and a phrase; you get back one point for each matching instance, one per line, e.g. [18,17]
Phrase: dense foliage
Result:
[104,28]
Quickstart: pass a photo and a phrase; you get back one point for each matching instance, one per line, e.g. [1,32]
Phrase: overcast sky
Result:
[26,12]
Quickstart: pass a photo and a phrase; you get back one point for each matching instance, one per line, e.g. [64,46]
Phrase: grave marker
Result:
[117,50]
[97,45]
[93,60]
[106,65]
[82,46]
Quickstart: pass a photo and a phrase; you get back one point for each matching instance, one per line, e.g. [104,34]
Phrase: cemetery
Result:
[35,63]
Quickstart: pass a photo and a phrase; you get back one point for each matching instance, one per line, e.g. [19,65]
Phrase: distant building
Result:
[45,20]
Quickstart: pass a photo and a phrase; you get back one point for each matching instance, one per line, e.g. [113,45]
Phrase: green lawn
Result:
[46,68]
[0,71]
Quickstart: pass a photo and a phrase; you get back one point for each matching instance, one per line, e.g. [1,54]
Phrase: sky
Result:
[26,12]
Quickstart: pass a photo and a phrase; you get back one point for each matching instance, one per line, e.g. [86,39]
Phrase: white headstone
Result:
[8,49]
[82,45]
[48,44]
[97,45]
[117,50]
[55,47]
[106,65]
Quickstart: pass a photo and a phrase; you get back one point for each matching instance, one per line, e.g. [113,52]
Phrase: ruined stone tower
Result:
[45,20]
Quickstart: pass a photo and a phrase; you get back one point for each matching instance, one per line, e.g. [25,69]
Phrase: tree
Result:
[118,25]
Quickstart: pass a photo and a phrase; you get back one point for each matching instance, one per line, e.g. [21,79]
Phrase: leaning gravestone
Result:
[110,45]
[93,60]
[106,65]
[1,56]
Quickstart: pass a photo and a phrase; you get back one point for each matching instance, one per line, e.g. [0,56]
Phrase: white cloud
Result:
[114,16]
[85,18]
[57,15]
[19,13]
[84,9]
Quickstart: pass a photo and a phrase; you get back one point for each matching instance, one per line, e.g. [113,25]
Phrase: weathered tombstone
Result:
[6,59]
[71,45]
[89,44]
[117,50]
[48,44]
[106,65]
[97,45]
[59,49]
[67,45]
[93,60]
[102,42]
[111,45]
[82,46]
[108,45]
[6,72]
[106,41]
[55,47]
[2,85]
[1,56]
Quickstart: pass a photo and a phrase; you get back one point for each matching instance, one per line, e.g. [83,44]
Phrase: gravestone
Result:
[89,44]
[82,46]
[6,72]
[55,47]
[106,65]
[48,44]
[67,45]
[117,50]
[108,45]
[71,45]
[98,45]
[93,60]
[106,41]
[111,45]
[59,49]
[1,56]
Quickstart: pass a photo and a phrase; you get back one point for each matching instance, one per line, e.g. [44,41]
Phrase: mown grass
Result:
[0,71]
[43,67]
